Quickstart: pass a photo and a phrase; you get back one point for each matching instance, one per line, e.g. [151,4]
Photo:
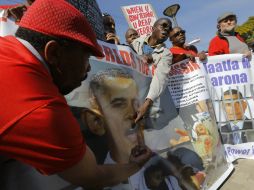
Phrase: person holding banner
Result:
[227,41]
[16,11]
[47,59]
[180,50]
[153,49]
[110,29]
[234,132]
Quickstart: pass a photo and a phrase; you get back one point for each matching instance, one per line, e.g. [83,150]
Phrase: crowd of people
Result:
[47,58]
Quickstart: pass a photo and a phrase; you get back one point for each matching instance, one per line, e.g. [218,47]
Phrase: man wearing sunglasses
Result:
[227,41]
[154,51]
[180,50]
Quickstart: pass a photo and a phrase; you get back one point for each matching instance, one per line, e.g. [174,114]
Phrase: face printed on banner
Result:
[154,178]
[116,96]
[234,105]
[94,122]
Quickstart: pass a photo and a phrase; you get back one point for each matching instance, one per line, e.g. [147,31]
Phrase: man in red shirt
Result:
[180,50]
[47,59]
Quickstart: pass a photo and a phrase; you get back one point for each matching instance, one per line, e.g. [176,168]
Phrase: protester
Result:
[180,50]
[227,41]
[47,59]
[17,11]
[130,35]
[154,51]
[109,29]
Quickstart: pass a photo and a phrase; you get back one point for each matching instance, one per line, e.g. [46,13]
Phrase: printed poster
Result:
[231,88]
[187,155]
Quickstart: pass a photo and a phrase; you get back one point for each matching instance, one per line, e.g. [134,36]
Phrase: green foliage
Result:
[246,30]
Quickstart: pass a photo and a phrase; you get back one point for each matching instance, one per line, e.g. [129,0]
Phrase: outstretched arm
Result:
[88,174]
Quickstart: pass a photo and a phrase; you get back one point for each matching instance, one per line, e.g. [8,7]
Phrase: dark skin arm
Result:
[143,109]
[88,174]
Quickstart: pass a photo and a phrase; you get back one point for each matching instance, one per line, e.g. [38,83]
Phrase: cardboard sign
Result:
[140,17]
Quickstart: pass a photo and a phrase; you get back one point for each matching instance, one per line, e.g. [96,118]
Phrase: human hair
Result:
[97,80]
[233,91]
[105,14]
[160,19]
[39,40]
[127,31]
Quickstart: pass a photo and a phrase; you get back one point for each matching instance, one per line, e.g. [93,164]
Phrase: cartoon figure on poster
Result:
[201,130]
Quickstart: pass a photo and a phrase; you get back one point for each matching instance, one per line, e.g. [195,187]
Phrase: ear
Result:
[218,26]
[52,52]
[153,28]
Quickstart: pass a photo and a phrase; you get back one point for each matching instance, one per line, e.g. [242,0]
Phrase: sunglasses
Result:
[178,33]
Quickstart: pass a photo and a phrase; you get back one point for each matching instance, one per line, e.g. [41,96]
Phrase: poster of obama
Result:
[231,88]
[108,101]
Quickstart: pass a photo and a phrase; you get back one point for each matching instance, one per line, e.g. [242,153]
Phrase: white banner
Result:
[231,89]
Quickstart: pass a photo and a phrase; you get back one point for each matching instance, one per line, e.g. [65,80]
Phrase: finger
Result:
[138,118]
[140,136]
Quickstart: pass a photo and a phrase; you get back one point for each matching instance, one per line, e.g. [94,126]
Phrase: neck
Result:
[178,45]
[153,41]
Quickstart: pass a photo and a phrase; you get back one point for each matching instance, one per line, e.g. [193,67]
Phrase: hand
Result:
[147,59]
[191,57]
[140,154]
[112,37]
[184,137]
[202,56]
[143,109]
[17,12]
[248,54]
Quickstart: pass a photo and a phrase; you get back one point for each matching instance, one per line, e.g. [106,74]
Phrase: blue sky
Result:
[197,17]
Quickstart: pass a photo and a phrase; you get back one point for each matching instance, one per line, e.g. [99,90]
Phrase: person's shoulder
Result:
[215,38]
[141,39]
[9,6]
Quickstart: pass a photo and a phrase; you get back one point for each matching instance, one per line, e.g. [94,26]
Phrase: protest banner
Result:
[231,88]
[140,17]
[184,137]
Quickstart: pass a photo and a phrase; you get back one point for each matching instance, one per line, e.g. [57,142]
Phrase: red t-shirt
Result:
[219,45]
[36,124]
[180,51]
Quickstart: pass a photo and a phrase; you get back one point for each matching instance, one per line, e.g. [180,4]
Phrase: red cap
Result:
[60,19]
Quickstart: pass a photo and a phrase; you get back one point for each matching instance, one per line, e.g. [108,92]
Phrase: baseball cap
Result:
[225,15]
[60,19]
